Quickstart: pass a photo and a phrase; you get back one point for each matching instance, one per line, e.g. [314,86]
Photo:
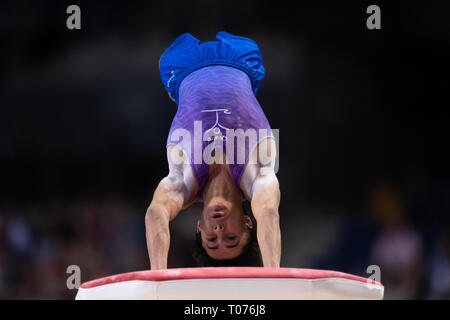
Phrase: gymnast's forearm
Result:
[158,237]
[269,238]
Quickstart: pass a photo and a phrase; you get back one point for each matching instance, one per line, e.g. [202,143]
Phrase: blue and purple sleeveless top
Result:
[214,84]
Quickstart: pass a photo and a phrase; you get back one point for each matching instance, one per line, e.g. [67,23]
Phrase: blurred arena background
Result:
[84,120]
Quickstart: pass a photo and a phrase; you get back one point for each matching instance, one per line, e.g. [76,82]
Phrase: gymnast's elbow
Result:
[268,216]
[157,230]
[156,219]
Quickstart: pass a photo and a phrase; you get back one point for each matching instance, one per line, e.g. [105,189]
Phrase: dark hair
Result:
[250,256]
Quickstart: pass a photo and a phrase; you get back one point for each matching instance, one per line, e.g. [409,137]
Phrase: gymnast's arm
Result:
[171,196]
[263,189]
[265,202]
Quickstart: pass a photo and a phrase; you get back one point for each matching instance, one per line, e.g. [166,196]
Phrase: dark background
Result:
[362,116]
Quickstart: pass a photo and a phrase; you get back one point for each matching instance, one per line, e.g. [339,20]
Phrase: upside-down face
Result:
[224,229]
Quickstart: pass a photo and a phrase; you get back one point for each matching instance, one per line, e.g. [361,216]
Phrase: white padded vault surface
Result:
[231,283]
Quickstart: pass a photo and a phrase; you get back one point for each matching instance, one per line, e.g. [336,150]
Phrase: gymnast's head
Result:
[226,234]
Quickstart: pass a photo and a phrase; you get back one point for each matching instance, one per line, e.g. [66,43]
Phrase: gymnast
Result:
[221,151]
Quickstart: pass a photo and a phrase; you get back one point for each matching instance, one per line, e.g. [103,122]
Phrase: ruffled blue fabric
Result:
[187,54]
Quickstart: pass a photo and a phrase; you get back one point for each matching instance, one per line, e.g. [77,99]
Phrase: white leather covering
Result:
[327,288]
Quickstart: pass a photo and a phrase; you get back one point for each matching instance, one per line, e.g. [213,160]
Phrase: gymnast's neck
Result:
[221,187]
